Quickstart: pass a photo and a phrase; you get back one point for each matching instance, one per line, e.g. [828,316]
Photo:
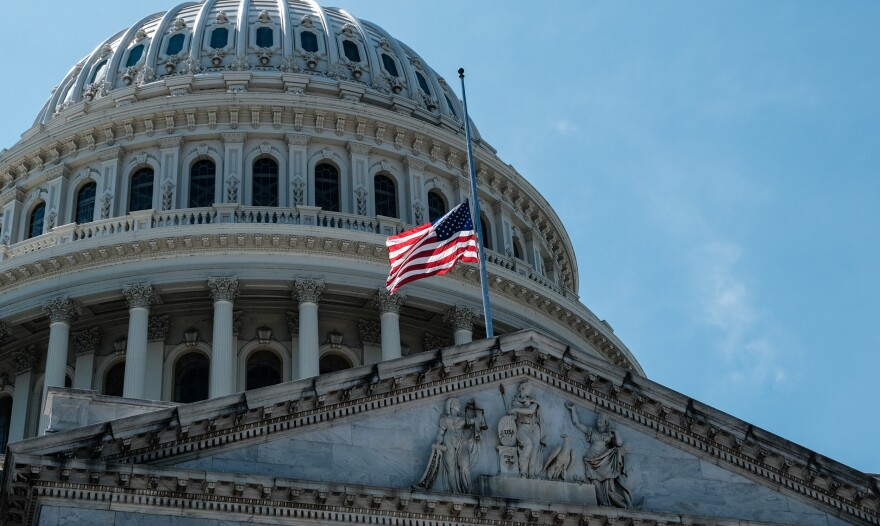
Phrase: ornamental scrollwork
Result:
[86,341]
[157,328]
[369,331]
[25,359]
[289,64]
[293,322]
[223,288]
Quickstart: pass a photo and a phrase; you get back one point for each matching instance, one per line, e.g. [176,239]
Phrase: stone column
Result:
[461,319]
[62,312]
[157,333]
[139,297]
[24,359]
[224,291]
[308,293]
[389,316]
[85,343]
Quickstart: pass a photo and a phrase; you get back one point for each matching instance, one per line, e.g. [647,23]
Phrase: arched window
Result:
[327,187]
[98,72]
[385,195]
[140,197]
[5,419]
[390,65]
[517,249]
[191,377]
[308,41]
[35,223]
[436,206]
[134,55]
[423,83]
[114,380]
[175,44]
[263,370]
[265,37]
[486,236]
[265,182]
[449,104]
[202,181]
[351,51]
[85,203]
[219,38]
[330,363]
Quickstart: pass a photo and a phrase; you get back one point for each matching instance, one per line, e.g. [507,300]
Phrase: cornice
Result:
[639,403]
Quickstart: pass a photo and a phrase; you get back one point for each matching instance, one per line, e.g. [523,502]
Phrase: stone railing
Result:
[234,214]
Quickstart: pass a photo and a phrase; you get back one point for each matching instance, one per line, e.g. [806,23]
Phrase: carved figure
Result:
[528,431]
[560,460]
[604,461]
[459,447]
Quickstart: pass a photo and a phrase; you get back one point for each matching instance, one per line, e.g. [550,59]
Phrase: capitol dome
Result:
[202,204]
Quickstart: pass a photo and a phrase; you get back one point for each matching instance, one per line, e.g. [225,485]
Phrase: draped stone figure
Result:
[604,465]
[456,439]
[528,431]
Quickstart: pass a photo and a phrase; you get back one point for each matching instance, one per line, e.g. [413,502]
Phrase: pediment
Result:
[480,428]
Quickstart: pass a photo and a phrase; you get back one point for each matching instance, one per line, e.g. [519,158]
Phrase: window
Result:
[390,65]
[517,250]
[263,370]
[175,44]
[85,203]
[308,41]
[485,230]
[140,197]
[423,83]
[265,37]
[385,195]
[436,206]
[5,419]
[351,51]
[327,187]
[202,180]
[449,104]
[114,380]
[35,224]
[265,183]
[134,56]
[219,38]
[98,72]
[191,377]
[330,363]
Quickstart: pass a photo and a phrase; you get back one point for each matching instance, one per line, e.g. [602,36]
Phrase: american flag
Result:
[432,248]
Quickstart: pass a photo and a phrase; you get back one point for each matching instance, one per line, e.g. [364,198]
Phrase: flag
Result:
[432,248]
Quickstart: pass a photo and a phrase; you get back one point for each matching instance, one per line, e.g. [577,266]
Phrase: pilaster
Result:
[170,179]
[361,186]
[233,167]
[297,174]
[84,344]
[25,360]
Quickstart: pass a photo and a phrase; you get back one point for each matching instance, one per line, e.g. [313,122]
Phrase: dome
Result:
[214,41]
[203,203]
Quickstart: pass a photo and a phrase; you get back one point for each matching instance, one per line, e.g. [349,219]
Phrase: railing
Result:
[232,213]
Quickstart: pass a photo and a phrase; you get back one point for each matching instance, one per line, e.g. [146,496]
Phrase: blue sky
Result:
[715,164]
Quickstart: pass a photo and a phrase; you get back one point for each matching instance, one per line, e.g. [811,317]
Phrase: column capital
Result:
[25,359]
[139,295]
[293,323]
[61,309]
[223,288]
[387,302]
[368,331]
[308,290]
[297,139]
[86,341]
[157,328]
[460,318]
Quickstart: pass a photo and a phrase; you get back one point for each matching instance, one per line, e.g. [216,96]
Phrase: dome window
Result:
[263,370]
[140,197]
[309,41]
[202,181]
[423,83]
[191,378]
[98,72]
[450,106]
[385,195]
[265,182]
[219,38]
[85,203]
[134,55]
[175,44]
[351,50]
[436,206]
[35,223]
[390,65]
[265,37]
[327,187]
[114,380]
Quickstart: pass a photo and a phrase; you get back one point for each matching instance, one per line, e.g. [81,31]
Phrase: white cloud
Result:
[564,126]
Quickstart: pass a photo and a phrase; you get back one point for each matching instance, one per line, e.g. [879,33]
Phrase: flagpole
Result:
[478,225]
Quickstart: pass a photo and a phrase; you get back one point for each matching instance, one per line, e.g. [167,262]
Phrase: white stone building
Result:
[198,217]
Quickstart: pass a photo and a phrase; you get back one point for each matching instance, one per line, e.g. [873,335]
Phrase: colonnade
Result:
[144,347]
